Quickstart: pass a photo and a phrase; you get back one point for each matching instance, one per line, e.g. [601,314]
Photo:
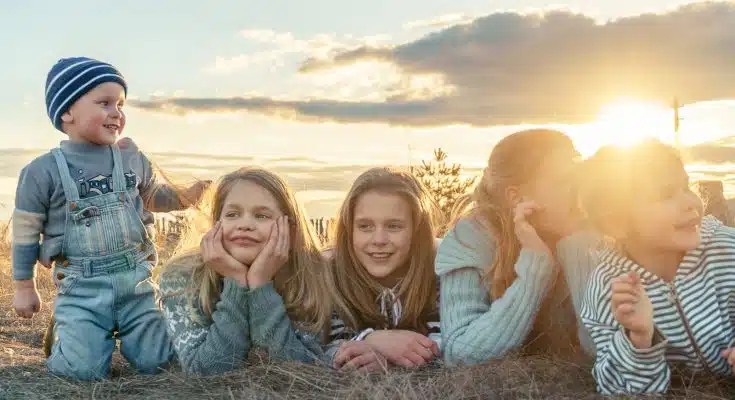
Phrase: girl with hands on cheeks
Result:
[662,291]
[380,275]
[254,279]
[269,260]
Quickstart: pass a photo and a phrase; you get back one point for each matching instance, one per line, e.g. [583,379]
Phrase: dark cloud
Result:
[509,68]
[394,112]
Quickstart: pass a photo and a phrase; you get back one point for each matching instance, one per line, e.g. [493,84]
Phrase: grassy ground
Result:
[23,376]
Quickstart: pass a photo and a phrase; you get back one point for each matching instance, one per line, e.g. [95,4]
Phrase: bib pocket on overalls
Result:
[102,226]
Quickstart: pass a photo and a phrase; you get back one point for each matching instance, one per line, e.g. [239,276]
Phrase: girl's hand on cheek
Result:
[273,256]
[217,258]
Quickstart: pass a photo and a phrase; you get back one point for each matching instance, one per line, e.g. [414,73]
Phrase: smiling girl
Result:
[381,276]
[255,280]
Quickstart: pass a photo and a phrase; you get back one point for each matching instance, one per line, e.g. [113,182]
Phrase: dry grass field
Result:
[23,375]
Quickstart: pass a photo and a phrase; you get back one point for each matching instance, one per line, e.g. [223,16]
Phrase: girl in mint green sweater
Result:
[513,268]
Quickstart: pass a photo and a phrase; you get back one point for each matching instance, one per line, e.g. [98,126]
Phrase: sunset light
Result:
[625,122]
[333,198]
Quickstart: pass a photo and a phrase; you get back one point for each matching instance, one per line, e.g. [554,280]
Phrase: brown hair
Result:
[353,289]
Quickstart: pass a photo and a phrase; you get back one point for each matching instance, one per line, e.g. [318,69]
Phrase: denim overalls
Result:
[102,286]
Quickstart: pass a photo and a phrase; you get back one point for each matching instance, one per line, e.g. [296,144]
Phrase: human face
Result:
[248,215]
[667,215]
[552,188]
[382,229]
[97,117]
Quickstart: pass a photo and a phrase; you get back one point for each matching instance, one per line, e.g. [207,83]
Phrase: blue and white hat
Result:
[71,78]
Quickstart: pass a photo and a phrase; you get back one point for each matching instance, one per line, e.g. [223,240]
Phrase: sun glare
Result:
[627,121]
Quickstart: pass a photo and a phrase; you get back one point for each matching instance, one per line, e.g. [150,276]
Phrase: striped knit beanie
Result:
[71,78]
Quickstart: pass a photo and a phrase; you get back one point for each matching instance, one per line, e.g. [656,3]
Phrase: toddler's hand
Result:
[26,300]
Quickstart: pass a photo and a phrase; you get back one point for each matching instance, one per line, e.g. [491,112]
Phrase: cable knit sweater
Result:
[476,329]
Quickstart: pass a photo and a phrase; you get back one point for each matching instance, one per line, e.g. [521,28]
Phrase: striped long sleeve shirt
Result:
[339,333]
[694,316]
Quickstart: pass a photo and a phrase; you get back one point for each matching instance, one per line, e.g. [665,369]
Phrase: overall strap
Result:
[69,185]
[118,177]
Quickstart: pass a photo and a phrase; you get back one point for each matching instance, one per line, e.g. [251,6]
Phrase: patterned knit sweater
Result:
[242,318]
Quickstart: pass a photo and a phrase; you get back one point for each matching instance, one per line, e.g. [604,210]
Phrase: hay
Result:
[23,375]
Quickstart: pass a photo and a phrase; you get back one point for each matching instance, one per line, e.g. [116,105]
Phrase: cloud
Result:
[712,154]
[280,46]
[397,112]
[441,21]
[510,68]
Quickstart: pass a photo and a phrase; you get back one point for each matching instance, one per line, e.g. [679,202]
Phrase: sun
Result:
[626,122]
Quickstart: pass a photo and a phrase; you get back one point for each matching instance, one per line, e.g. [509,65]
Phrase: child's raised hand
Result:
[273,256]
[404,348]
[26,300]
[729,355]
[194,193]
[359,356]
[632,308]
[216,257]
[525,232]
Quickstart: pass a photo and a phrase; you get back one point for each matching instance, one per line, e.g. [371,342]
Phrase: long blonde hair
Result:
[353,290]
[299,282]
[515,160]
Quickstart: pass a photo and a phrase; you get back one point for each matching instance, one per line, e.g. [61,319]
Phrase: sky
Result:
[320,90]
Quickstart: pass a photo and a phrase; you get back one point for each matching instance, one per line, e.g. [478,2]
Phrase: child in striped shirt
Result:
[663,293]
